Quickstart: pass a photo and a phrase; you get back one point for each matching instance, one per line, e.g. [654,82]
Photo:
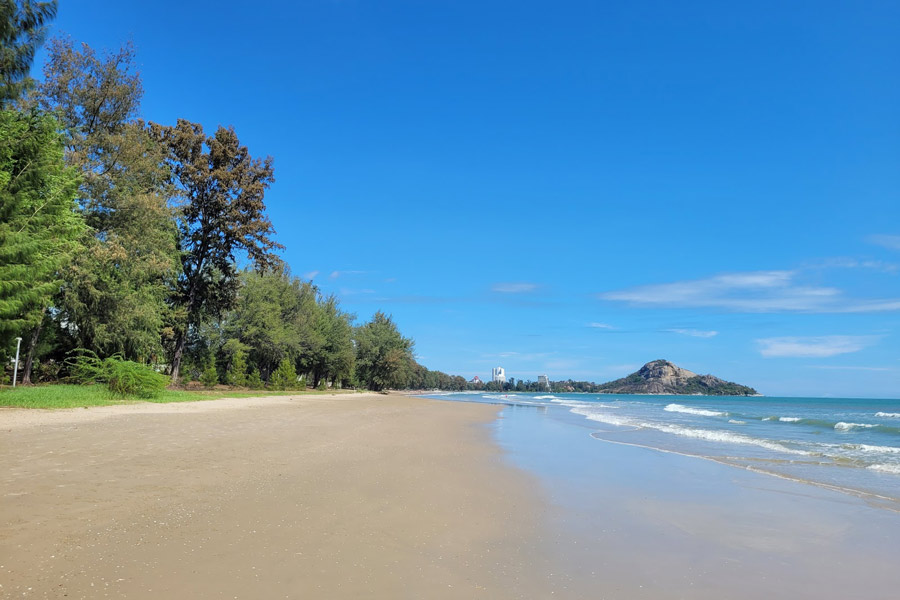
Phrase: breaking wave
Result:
[680,408]
[842,426]
[886,468]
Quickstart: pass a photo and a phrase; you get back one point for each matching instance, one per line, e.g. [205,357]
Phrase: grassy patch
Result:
[74,396]
[57,396]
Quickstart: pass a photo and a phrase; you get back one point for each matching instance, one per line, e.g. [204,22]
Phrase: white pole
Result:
[16,369]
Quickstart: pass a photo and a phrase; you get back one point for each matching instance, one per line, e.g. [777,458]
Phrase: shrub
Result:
[122,377]
[284,377]
[237,371]
[209,377]
[127,378]
[254,382]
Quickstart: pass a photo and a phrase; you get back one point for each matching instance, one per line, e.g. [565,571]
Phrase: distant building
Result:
[475,380]
[498,375]
[543,381]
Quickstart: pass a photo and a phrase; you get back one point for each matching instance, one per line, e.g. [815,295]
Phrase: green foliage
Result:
[237,370]
[383,355]
[39,229]
[71,396]
[122,377]
[278,316]
[115,292]
[123,239]
[221,189]
[284,377]
[209,377]
[21,34]
[254,381]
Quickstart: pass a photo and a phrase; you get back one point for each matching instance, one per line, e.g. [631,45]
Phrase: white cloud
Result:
[514,288]
[814,347]
[600,326]
[700,333]
[753,292]
[311,275]
[891,242]
[336,274]
[854,263]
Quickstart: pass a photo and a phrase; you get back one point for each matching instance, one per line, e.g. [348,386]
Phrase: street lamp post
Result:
[16,368]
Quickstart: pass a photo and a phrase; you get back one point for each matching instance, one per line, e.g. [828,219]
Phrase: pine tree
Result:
[383,355]
[21,33]
[254,381]
[209,377]
[221,189]
[39,228]
[284,377]
[115,295]
[237,370]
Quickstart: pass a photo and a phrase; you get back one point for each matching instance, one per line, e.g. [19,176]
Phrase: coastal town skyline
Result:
[721,193]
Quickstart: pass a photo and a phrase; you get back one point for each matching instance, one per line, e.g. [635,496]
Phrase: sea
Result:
[848,445]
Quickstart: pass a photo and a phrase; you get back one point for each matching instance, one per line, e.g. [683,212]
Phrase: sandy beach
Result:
[390,496]
[350,496]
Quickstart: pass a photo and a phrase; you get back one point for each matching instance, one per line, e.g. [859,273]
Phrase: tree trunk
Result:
[29,361]
[176,358]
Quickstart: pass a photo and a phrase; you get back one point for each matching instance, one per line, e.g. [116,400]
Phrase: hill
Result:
[663,377]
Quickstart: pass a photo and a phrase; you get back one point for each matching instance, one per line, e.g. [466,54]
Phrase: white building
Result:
[543,382]
[498,374]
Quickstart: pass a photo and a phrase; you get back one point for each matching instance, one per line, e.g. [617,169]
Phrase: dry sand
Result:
[349,496]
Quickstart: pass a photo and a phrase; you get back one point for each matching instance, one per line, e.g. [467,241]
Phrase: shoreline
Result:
[363,495]
[636,522]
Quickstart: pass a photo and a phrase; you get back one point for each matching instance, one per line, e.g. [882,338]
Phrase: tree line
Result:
[150,242]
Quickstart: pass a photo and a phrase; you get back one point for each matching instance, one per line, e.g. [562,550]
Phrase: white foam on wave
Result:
[702,434]
[887,415]
[886,468]
[680,408]
[875,449]
[591,413]
[842,426]
[570,403]
[789,419]
[736,422]
[726,437]
[770,418]
[546,398]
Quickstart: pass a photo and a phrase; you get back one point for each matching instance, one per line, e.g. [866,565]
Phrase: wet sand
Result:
[350,496]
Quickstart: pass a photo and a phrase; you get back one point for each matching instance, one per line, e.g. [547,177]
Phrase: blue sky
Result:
[569,188]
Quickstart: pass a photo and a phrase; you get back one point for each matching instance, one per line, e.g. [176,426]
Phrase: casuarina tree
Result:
[221,213]
[21,34]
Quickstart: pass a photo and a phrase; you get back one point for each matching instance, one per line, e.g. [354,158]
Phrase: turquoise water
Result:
[846,444]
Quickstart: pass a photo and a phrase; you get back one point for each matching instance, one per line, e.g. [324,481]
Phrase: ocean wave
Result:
[842,426]
[886,468]
[790,419]
[680,408]
[736,422]
[770,419]
[571,403]
[546,398]
[708,435]
[871,448]
[727,437]
[594,415]
[887,415]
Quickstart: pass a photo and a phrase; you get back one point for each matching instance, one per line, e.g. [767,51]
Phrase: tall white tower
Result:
[498,374]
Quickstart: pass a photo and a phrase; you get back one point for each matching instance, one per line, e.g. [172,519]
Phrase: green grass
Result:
[74,396]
